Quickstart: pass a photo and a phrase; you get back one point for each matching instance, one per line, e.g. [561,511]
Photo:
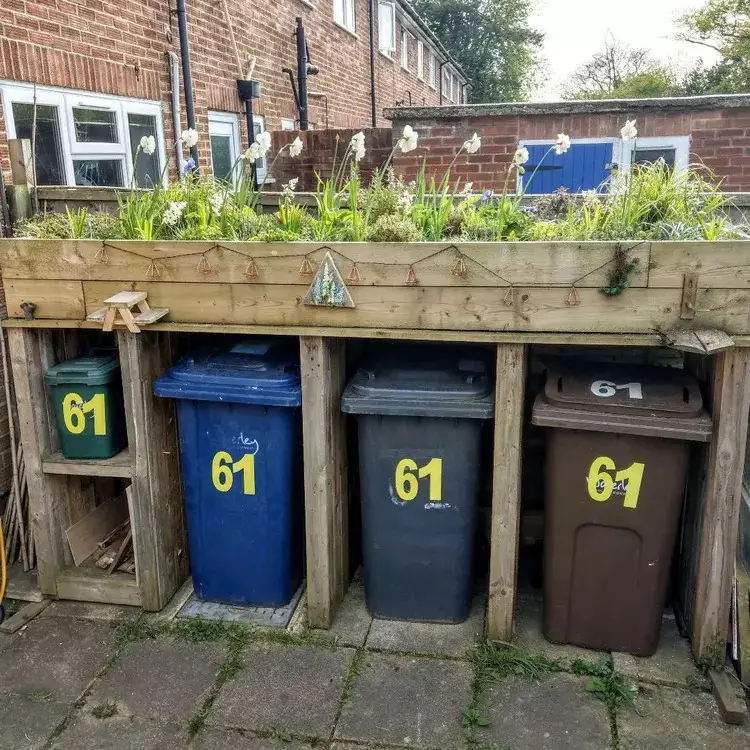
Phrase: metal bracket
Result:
[689,296]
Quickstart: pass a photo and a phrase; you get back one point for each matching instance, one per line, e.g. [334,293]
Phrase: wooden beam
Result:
[721,489]
[24,616]
[326,482]
[506,488]
[22,172]
[157,518]
[94,585]
[31,352]
[117,466]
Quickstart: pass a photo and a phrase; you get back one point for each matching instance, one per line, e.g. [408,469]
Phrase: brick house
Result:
[710,130]
[100,73]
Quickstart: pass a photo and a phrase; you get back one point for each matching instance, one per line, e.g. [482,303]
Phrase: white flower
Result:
[148,144]
[189,137]
[357,146]
[405,201]
[296,146]
[293,183]
[174,212]
[217,202]
[253,153]
[290,187]
[408,141]
[264,141]
[562,144]
[473,144]
[468,187]
[629,130]
[521,156]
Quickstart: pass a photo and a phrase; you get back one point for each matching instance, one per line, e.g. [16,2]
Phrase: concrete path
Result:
[101,678]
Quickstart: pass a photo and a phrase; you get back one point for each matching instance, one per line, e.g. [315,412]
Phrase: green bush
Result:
[393,229]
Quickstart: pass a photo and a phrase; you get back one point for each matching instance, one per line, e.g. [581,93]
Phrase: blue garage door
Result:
[584,167]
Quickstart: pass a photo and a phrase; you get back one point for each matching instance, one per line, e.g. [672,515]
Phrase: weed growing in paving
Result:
[612,688]
[104,710]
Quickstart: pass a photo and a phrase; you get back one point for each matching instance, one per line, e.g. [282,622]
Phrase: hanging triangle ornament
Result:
[328,288]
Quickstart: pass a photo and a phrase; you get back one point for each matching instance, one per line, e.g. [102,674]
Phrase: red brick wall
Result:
[720,139]
[317,155]
[119,47]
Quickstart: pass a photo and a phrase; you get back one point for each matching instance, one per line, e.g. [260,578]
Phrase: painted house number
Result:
[607,389]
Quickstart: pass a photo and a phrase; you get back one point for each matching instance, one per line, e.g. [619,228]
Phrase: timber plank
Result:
[384,264]
[475,309]
[323,370]
[724,265]
[53,299]
[720,502]
[84,536]
[24,616]
[506,488]
[91,584]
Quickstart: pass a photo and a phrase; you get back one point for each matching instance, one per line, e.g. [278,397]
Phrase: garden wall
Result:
[718,126]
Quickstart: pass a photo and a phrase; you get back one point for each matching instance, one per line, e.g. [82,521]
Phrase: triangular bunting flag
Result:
[328,288]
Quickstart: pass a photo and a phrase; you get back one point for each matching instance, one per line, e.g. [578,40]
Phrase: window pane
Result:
[651,155]
[386,29]
[98,172]
[221,156]
[49,155]
[146,167]
[95,125]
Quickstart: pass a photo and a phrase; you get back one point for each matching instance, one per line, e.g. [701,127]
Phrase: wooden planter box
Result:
[509,294]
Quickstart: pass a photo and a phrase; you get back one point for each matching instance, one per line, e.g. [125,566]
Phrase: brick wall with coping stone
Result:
[119,47]
[719,128]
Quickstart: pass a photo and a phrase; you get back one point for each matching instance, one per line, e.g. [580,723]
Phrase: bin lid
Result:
[96,370]
[605,397]
[251,372]
[458,388]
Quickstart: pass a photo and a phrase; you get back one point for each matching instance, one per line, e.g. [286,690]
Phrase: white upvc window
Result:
[404,48]
[287,124]
[387,28]
[674,150]
[446,84]
[453,86]
[432,70]
[224,139]
[86,139]
[420,59]
[343,14]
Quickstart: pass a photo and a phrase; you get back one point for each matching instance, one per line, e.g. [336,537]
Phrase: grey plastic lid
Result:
[458,389]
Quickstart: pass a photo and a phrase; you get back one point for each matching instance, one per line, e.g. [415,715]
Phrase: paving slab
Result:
[407,701]
[554,714]
[672,664]
[353,620]
[26,723]
[86,732]
[669,718]
[429,637]
[295,688]
[55,656]
[213,738]
[163,680]
[529,635]
[90,611]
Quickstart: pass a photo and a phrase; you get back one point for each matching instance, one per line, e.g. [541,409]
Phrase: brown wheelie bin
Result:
[617,460]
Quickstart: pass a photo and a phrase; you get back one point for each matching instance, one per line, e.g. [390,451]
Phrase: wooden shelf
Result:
[91,584]
[120,465]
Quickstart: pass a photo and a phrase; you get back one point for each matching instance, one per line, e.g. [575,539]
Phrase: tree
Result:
[723,26]
[491,40]
[621,72]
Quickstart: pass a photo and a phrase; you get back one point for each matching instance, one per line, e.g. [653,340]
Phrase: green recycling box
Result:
[87,399]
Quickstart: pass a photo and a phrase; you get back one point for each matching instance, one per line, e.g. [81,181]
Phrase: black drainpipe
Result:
[440,71]
[187,78]
[372,64]
[304,110]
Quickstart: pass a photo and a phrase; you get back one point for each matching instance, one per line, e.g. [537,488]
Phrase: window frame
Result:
[288,125]
[225,124]
[680,144]
[432,71]
[348,13]
[404,48]
[420,59]
[65,100]
[389,51]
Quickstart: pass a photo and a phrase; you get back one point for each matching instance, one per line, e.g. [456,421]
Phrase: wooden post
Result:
[720,503]
[31,353]
[157,520]
[326,484]
[22,171]
[506,488]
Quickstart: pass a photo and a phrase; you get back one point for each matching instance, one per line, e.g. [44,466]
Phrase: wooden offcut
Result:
[323,369]
[506,488]
[729,695]
[24,616]
[84,536]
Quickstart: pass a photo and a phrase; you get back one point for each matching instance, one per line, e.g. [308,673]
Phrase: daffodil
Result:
[296,146]
[521,156]
[148,144]
[189,137]
[357,146]
[629,131]
[408,141]
[562,144]
[473,144]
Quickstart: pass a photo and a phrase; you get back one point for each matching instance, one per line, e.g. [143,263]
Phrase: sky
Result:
[575,29]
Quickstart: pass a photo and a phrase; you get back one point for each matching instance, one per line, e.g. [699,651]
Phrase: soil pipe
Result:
[187,78]
[373,98]
[304,111]
[174,77]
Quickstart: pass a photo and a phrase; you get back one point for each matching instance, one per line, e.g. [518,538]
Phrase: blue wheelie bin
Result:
[241,453]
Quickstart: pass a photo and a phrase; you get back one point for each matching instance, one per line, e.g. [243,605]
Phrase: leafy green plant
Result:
[78,221]
[393,229]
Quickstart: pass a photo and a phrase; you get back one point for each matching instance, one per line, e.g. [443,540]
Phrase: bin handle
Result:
[369,374]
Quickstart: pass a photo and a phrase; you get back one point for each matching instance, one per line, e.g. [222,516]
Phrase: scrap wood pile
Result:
[19,539]
[115,551]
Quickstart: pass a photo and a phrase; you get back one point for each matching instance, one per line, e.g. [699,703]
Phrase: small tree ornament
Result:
[251,270]
[411,277]
[328,288]
[102,256]
[353,276]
